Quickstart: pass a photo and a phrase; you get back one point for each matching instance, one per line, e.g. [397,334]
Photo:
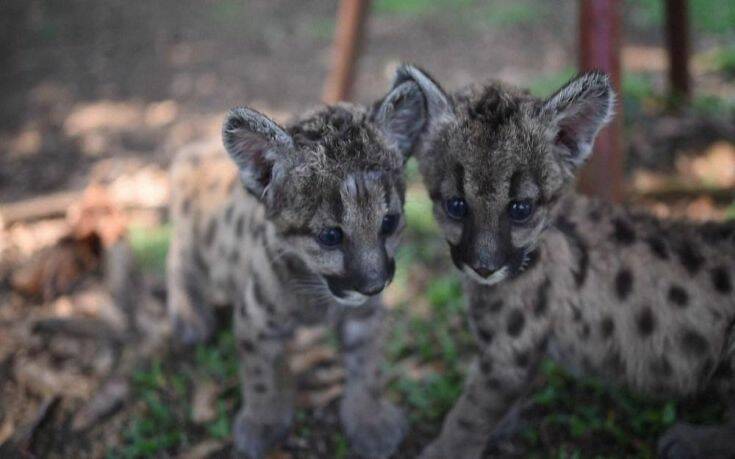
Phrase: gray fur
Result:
[256,248]
[600,289]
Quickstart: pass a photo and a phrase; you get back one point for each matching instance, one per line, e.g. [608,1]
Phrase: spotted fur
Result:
[643,302]
[251,234]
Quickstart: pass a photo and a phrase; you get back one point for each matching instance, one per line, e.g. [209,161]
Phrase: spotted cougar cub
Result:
[298,224]
[598,288]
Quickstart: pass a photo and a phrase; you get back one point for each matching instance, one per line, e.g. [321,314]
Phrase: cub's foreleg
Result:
[373,425]
[511,344]
[266,382]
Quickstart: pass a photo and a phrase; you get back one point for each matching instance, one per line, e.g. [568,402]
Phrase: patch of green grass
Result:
[723,60]
[150,246]
[730,212]
[545,85]
[514,14]
[577,412]
[637,91]
[226,12]
[164,389]
[440,337]
[714,17]
[419,216]
[417,7]
[322,28]
[712,106]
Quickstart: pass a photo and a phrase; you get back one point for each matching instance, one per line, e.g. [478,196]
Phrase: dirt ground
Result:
[106,91]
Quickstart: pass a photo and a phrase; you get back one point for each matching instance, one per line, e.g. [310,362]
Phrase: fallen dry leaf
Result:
[55,270]
[97,213]
[108,398]
[204,405]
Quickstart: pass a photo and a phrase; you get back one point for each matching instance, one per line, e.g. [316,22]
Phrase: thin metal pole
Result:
[599,45]
[677,41]
[351,18]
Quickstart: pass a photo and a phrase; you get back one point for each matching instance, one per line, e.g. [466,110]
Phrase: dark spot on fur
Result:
[522,359]
[623,232]
[645,322]
[260,298]
[661,367]
[485,335]
[243,309]
[256,371]
[714,233]
[246,345]
[542,298]
[690,257]
[595,215]
[516,321]
[623,283]
[486,366]
[607,327]
[493,383]
[724,371]
[578,246]
[210,233]
[678,296]
[693,343]
[260,388]
[200,264]
[465,424]
[186,206]
[613,363]
[658,247]
[228,213]
[721,280]
[576,312]
[459,178]
[584,332]
[240,226]
[495,306]
[707,367]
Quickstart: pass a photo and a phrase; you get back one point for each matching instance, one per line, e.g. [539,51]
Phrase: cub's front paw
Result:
[254,438]
[433,451]
[193,329]
[438,449]
[374,428]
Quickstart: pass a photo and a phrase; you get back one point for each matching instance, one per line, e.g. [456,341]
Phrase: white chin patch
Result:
[352,299]
[496,277]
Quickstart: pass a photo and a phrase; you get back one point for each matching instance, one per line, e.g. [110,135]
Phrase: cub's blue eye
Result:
[520,211]
[330,237]
[389,225]
[457,208]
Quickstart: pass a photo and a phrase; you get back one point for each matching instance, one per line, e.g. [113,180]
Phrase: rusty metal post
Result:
[677,42]
[599,45]
[351,18]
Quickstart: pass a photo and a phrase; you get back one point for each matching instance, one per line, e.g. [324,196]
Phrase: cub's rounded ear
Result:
[578,111]
[256,144]
[438,104]
[401,116]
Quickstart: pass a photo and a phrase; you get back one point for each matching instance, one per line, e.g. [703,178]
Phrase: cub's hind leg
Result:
[374,426]
[689,441]
[265,380]
[186,278]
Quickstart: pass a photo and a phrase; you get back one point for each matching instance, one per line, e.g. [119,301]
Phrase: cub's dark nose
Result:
[372,288]
[483,271]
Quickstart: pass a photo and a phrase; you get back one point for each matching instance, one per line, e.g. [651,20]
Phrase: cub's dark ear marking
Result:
[402,116]
[579,110]
[256,144]
[437,105]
